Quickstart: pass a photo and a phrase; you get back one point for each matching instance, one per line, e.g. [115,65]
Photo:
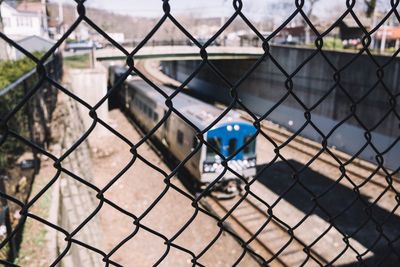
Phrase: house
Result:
[26,24]
[33,44]
[350,32]
[24,19]
[388,36]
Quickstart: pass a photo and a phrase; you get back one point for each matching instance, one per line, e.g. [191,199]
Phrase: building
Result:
[119,37]
[21,22]
[388,36]
[33,43]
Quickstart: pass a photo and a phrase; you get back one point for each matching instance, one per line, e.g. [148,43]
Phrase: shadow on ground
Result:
[375,228]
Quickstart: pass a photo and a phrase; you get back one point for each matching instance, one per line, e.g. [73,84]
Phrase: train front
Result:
[227,138]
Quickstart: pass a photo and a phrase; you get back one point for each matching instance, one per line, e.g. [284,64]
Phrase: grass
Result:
[77,61]
[29,256]
[34,243]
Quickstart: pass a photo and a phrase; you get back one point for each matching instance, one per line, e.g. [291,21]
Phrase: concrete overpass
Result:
[267,86]
[167,53]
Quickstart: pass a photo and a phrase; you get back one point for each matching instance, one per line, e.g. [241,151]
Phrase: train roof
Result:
[198,112]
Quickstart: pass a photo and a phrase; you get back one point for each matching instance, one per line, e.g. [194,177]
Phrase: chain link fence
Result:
[385,246]
[20,163]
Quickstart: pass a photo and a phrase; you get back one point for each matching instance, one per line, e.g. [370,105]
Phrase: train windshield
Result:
[249,151]
[216,143]
[232,146]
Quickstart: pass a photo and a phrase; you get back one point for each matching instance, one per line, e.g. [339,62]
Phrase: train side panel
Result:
[174,133]
[146,111]
[148,108]
[182,140]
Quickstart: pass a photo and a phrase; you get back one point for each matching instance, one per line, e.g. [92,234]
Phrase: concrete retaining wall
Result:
[266,86]
[78,201]
[90,85]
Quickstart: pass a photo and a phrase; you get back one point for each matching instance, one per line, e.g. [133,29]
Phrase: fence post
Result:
[30,117]
[92,58]
[7,221]
[28,111]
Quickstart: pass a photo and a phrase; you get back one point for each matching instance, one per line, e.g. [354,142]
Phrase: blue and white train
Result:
[148,107]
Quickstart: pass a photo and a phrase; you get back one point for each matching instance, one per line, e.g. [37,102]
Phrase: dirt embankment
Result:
[135,191]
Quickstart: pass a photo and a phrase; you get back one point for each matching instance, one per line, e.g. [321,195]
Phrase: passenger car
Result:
[230,138]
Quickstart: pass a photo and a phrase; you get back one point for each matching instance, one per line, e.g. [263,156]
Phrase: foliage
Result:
[11,70]
[34,233]
[81,61]
[24,121]
[70,40]
[333,43]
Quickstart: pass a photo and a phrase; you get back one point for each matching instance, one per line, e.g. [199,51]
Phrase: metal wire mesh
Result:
[392,247]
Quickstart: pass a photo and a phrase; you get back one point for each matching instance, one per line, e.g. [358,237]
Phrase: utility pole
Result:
[307,37]
[383,38]
[371,13]
[222,22]
[45,27]
[60,12]
[60,19]
[3,45]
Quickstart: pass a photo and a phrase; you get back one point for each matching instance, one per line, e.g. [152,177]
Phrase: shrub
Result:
[10,71]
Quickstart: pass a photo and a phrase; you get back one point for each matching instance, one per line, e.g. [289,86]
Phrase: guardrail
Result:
[19,164]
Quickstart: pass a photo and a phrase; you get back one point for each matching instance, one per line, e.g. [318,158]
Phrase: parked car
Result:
[82,45]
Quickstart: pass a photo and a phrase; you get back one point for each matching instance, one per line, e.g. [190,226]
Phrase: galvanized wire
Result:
[7,133]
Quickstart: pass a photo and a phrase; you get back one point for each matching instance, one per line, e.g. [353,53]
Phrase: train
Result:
[147,107]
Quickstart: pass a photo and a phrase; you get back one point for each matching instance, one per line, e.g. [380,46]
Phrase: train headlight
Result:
[236,127]
[210,167]
[252,162]
[229,128]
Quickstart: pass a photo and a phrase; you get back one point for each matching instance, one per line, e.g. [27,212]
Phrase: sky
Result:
[205,8]
[255,10]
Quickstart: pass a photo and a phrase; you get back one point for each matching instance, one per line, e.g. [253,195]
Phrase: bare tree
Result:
[371,5]
[309,10]
[371,14]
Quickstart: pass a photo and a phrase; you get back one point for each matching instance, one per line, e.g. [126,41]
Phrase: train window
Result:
[249,151]
[179,137]
[232,146]
[166,121]
[155,116]
[195,142]
[216,143]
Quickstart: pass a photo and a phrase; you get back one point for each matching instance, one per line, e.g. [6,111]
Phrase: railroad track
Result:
[356,169]
[271,241]
[268,242]
[247,219]
[274,243]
